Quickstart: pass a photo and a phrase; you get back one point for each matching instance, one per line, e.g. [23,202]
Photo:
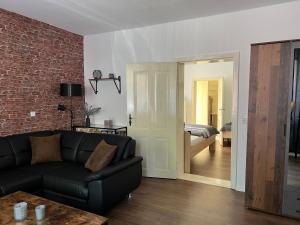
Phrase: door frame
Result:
[180,118]
[234,141]
[194,98]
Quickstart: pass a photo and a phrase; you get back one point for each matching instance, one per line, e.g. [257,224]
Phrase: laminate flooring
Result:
[213,164]
[178,202]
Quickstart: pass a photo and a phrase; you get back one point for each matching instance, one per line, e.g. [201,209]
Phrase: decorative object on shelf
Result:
[87,121]
[108,123]
[97,74]
[85,129]
[98,128]
[111,76]
[89,111]
[69,90]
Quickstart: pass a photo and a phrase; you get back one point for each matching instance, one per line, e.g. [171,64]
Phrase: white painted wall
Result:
[209,71]
[225,33]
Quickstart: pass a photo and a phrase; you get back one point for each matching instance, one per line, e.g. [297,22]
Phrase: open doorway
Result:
[157,109]
[208,103]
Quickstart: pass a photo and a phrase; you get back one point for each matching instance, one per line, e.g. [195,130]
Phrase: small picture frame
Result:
[108,123]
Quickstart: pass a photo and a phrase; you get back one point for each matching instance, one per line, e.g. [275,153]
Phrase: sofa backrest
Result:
[129,151]
[7,157]
[20,145]
[90,141]
[15,150]
[70,141]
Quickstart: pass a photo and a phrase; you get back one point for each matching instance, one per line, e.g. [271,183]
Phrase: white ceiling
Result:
[98,16]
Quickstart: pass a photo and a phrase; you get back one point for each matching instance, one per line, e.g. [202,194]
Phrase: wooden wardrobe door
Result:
[267,116]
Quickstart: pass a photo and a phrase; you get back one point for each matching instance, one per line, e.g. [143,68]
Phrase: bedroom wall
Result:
[35,59]
[227,33]
[208,71]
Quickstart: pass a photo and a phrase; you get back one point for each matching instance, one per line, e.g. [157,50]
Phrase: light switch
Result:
[32,114]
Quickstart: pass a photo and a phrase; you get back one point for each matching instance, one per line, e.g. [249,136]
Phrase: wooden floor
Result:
[214,164]
[178,202]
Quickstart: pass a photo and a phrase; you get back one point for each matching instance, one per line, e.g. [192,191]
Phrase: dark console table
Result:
[99,128]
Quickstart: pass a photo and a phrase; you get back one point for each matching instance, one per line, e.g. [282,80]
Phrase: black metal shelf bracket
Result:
[118,86]
[117,82]
[95,88]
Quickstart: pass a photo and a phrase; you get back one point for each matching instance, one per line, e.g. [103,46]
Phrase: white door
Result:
[152,106]
[220,103]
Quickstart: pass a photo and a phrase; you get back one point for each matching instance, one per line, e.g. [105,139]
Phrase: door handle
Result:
[284,130]
[130,119]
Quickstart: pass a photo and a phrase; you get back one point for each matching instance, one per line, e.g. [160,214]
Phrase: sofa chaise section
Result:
[69,181]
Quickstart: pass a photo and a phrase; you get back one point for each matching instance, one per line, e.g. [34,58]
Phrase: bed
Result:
[196,139]
[226,134]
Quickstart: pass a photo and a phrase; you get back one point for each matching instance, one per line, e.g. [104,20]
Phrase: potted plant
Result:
[89,111]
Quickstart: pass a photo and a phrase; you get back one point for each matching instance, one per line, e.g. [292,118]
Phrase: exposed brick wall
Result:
[34,59]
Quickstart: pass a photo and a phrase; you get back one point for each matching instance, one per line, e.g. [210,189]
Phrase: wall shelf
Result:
[116,80]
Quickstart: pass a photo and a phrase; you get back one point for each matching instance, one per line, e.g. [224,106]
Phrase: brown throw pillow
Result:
[101,156]
[45,149]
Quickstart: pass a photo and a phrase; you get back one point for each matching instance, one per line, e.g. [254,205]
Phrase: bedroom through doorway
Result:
[208,103]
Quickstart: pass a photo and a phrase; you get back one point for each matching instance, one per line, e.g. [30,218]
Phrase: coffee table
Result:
[56,213]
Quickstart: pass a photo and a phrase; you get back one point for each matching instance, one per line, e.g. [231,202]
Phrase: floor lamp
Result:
[69,90]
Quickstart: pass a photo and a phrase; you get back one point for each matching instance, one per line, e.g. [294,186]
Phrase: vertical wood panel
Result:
[251,124]
[282,104]
[268,103]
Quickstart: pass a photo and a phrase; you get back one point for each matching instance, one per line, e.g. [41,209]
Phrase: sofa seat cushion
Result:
[68,179]
[19,180]
[26,178]
[42,168]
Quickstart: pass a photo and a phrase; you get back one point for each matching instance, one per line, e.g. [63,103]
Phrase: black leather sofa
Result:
[68,181]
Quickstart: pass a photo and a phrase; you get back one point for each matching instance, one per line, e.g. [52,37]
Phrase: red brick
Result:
[35,59]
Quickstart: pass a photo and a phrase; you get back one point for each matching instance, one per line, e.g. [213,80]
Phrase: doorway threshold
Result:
[206,180]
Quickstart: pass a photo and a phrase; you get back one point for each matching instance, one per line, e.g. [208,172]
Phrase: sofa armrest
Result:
[115,168]
[113,183]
